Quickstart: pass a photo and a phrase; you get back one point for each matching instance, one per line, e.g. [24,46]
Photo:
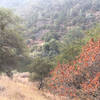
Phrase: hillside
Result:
[50,26]
[60,20]
[16,90]
[47,16]
[45,20]
[60,17]
[20,89]
[50,50]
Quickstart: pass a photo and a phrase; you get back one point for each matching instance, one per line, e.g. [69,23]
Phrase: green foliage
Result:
[93,33]
[69,53]
[51,35]
[71,47]
[60,24]
[11,44]
[74,41]
[76,34]
[59,15]
[60,21]
[23,63]
[41,68]
[51,48]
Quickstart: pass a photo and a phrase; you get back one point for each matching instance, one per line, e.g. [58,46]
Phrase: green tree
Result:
[68,53]
[11,44]
[41,68]
[51,48]
[51,35]
[93,33]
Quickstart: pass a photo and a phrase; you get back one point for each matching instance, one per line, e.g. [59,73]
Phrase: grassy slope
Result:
[16,90]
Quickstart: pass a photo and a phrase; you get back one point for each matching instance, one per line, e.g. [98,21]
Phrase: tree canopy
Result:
[11,44]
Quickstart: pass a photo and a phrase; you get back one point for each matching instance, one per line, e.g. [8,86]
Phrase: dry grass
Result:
[18,90]
[11,90]
[21,89]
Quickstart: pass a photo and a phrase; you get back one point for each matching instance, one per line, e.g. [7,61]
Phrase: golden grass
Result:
[18,91]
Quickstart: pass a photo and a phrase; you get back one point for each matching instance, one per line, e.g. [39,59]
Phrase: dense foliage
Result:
[54,31]
[81,75]
[63,21]
[11,44]
[41,68]
[59,17]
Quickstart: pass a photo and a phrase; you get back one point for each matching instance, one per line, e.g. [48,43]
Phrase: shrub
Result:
[83,74]
[40,69]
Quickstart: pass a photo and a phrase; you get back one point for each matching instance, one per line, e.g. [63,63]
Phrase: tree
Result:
[41,68]
[93,33]
[69,53]
[51,35]
[71,47]
[11,44]
[51,48]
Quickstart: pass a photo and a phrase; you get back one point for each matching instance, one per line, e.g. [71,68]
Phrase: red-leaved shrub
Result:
[82,74]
